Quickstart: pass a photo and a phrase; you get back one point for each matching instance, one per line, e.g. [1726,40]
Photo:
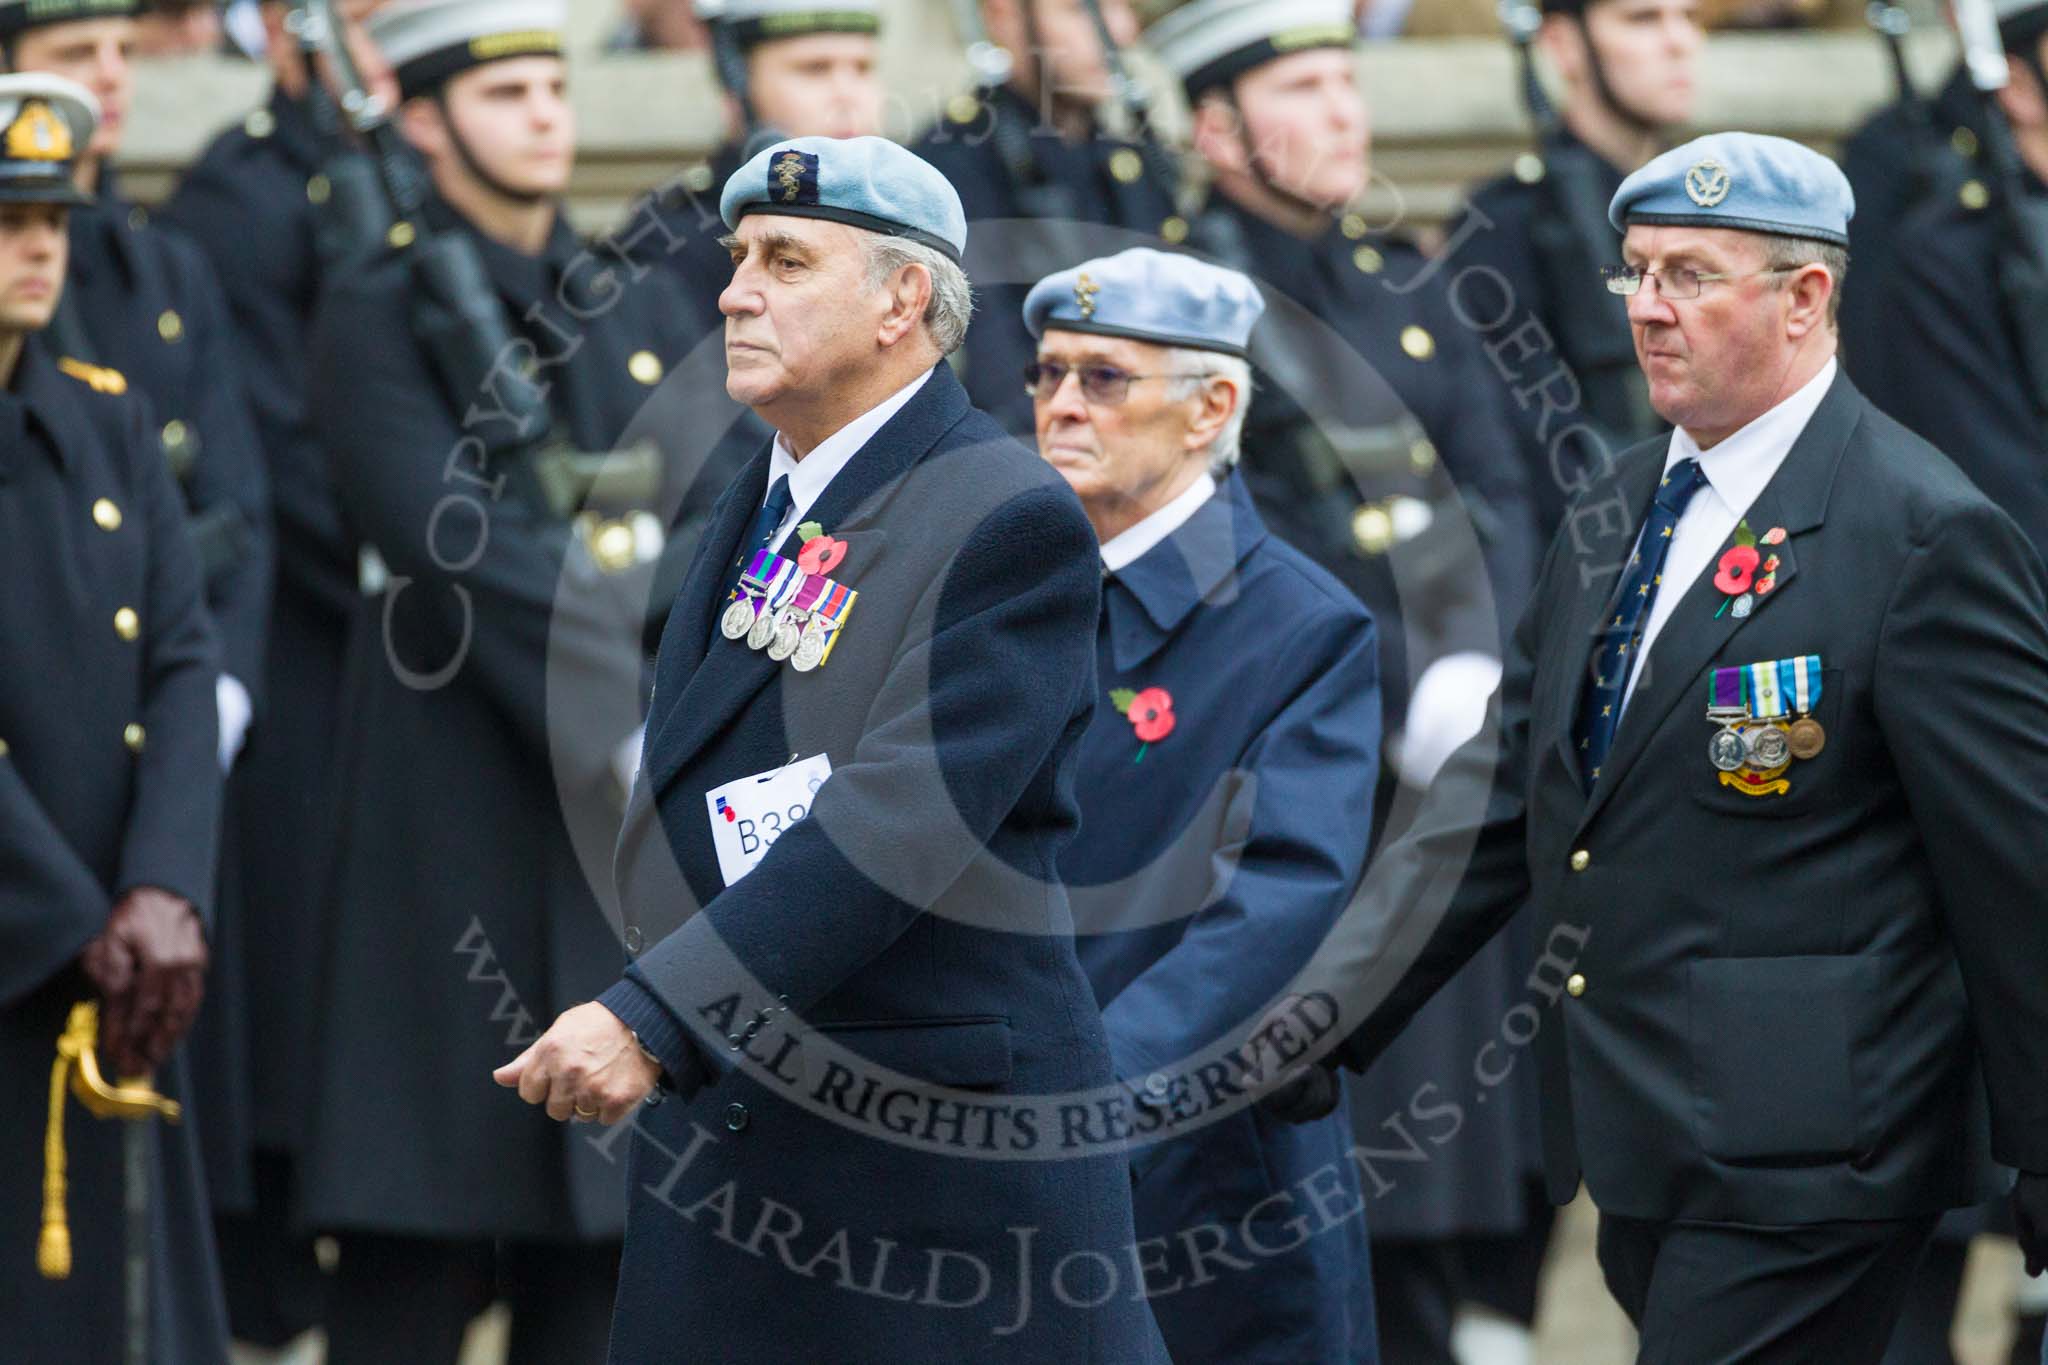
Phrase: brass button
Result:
[1368,260]
[736,1117]
[1529,168]
[1352,225]
[134,736]
[1422,457]
[633,938]
[138,218]
[319,189]
[1372,527]
[645,366]
[106,515]
[3,748]
[1174,230]
[963,108]
[698,178]
[127,624]
[401,235]
[170,326]
[261,123]
[1581,860]
[1417,342]
[1964,140]
[613,548]
[1575,985]
[1126,165]
[175,434]
[1974,195]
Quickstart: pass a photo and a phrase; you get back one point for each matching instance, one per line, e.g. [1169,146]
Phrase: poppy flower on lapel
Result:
[1737,568]
[1150,713]
[820,554]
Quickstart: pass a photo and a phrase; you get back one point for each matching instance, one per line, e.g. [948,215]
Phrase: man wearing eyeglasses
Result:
[1223,784]
[1773,767]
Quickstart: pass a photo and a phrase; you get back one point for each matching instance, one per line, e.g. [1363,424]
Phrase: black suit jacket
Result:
[1780,1009]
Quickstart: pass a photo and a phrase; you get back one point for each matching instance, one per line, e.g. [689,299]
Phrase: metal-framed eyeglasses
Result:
[1103,385]
[1679,282]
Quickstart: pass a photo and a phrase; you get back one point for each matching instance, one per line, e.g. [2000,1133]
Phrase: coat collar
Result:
[1797,499]
[1147,600]
[700,691]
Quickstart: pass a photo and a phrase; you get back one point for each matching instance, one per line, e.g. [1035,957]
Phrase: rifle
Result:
[1573,239]
[1136,103]
[2023,249]
[354,220]
[458,318]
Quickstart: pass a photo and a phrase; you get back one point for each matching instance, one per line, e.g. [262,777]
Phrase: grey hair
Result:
[952,302]
[1789,253]
[1192,368]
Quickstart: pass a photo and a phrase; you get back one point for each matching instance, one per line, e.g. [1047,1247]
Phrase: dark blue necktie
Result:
[759,535]
[1622,635]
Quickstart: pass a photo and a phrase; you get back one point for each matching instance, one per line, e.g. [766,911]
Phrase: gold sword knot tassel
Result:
[77,1069]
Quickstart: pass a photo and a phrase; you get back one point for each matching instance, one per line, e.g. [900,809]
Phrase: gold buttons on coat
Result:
[1422,457]
[1575,985]
[401,235]
[135,737]
[1417,342]
[1581,860]
[1529,168]
[1372,527]
[1126,165]
[319,189]
[3,748]
[1352,225]
[1964,140]
[1174,230]
[106,515]
[1369,261]
[1974,195]
[261,123]
[170,326]
[963,108]
[645,366]
[127,624]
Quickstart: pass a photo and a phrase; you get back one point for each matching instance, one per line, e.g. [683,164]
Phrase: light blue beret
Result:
[866,182]
[1152,296]
[1740,180]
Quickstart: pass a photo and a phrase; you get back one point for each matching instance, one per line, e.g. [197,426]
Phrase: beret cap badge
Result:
[795,176]
[1707,183]
[1085,290]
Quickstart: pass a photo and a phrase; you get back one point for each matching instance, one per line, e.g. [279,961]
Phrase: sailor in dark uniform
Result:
[254,202]
[1232,674]
[492,695]
[1028,145]
[110,787]
[1523,254]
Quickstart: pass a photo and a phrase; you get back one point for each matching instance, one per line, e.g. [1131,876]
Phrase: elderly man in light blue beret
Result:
[1773,767]
[864,1068]
[1226,787]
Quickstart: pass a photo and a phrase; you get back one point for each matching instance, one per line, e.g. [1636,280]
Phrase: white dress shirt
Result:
[809,476]
[1737,470]
[1129,545]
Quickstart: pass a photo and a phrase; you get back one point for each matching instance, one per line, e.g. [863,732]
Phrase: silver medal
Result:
[1768,747]
[1726,751]
[738,618]
[762,631]
[810,651]
[788,633]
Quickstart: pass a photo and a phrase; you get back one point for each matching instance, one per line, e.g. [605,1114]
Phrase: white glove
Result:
[626,759]
[235,708]
[1445,710]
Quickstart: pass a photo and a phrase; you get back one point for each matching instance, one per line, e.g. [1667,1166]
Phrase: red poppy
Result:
[820,554]
[1738,566]
[1151,714]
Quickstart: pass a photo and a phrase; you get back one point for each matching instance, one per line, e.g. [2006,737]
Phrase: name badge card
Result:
[749,815]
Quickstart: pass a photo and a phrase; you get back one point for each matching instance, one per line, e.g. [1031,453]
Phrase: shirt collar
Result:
[1740,466]
[1131,543]
[809,476]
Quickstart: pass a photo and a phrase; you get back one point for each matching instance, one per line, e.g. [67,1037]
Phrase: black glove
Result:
[2030,1219]
[1306,1097]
